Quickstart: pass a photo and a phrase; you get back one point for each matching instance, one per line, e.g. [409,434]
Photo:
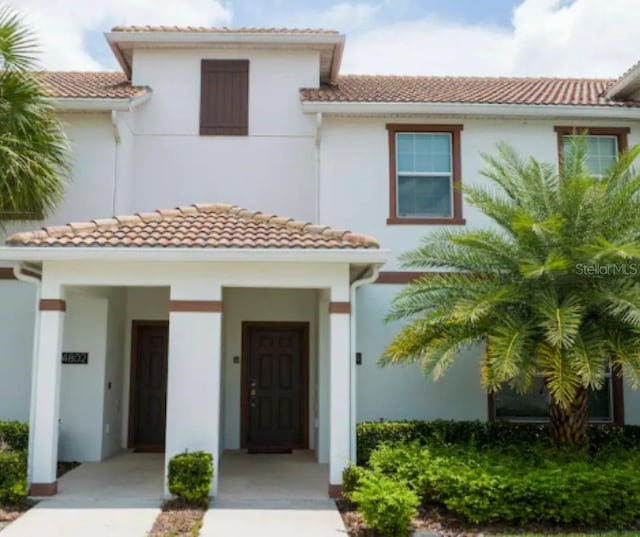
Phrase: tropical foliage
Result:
[552,288]
[33,148]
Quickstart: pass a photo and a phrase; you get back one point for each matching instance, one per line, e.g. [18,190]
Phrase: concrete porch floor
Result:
[295,476]
[140,476]
[126,475]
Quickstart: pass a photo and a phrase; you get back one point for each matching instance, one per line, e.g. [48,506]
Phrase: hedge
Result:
[13,477]
[15,434]
[516,485]
[481,434]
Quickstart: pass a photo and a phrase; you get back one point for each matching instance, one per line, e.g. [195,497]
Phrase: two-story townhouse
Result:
[214,327]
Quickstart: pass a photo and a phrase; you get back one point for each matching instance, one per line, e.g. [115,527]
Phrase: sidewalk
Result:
[273,518]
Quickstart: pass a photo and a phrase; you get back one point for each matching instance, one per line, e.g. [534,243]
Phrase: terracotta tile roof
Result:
[449,89]
[223,30]
[195,226]
[88,84]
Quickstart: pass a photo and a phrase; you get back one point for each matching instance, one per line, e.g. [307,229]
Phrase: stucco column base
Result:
[43,489]
[335,491]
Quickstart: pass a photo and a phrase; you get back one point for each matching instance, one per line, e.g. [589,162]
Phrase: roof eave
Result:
[116,40]
[99,104]
[625,86]
[470,109]
[136,254]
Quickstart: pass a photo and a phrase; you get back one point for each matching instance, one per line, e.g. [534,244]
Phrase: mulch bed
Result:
[438,520]
[10,513]
[178,519]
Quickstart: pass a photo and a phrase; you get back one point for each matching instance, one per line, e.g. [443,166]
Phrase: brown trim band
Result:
[335,491]
[6,273]
[399,277]
[52,304]
[340,307]
[195,306]
[43,489]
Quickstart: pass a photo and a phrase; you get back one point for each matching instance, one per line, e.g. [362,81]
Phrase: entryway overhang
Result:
[197,252]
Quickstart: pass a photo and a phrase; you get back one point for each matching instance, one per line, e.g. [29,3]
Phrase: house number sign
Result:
[75,358]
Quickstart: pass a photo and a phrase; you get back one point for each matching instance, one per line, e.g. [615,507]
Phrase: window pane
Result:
[600,403]
[534,405]
[423,152]
[601,152]
[421,196]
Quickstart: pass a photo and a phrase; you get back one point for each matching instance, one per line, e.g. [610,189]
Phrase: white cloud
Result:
[62,25]
[595,38]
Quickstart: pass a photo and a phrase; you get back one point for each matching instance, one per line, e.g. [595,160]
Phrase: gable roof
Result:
[88,85]
[196,226]
[450,89]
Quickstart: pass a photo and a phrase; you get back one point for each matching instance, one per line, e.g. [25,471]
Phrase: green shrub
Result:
[519,485]
[13,477]
[15,434]
[350,479]
[190,476]
[386,505]
[481,434]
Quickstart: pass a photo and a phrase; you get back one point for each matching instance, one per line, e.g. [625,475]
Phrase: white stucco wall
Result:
[295,305]
[81,386]
[354,185]
[398,393]
[113,425]
[269,170]
[17,316]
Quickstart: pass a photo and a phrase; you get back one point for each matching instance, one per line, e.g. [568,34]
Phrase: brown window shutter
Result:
[224,97]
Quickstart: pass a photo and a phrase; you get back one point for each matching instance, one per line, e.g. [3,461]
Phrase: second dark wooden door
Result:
[275,388]
[150,387]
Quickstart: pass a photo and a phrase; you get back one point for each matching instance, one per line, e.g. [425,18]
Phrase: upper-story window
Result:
[602,145]
[224,97]
[424,174]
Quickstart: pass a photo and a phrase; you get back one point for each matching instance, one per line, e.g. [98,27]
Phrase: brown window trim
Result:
[454,130]
[617,388]
[620,132]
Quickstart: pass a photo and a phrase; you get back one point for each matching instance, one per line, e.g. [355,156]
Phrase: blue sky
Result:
[441,37]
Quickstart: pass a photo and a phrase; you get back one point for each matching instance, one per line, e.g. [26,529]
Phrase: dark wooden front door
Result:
[275,377]
[147,420]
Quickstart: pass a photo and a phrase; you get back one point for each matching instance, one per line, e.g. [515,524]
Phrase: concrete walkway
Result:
[272,496]
[119,497]
[273,518]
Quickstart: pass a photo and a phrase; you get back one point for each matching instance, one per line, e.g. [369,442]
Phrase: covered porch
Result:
[251,343]
[139,477]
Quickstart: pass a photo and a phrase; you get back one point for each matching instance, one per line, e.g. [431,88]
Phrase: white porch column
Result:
[194,375]
[340,384]
[46,400]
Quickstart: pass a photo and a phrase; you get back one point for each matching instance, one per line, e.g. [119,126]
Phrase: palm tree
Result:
[523,288]
[33,148]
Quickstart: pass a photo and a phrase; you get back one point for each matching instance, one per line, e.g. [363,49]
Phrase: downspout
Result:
[317,144]
[116,140]
[32,275]
[372,277]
